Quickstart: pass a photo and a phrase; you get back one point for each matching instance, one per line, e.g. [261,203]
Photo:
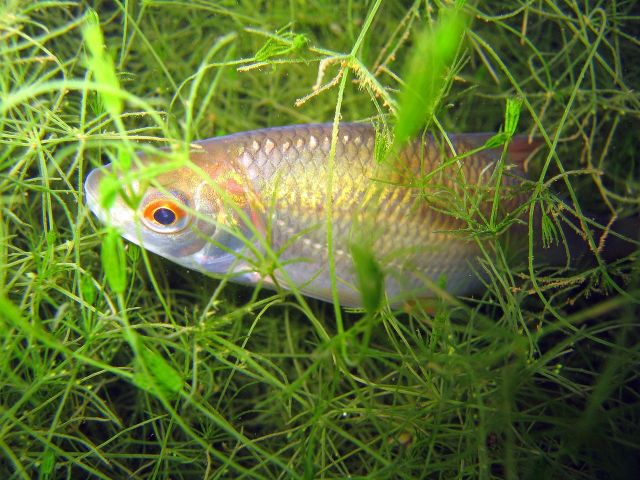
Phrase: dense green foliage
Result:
[127,366]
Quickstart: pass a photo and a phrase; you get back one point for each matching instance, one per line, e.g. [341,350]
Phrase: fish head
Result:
[180,213]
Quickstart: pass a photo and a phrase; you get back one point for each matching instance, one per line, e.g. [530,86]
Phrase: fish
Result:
[257,207]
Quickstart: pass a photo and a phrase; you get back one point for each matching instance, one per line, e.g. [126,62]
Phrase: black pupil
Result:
[164,216]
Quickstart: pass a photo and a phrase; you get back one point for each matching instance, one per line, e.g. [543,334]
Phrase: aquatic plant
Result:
[116,363]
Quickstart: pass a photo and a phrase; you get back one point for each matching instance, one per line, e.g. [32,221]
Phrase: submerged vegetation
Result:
[118,364]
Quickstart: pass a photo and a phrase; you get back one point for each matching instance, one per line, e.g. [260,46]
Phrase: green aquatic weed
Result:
[117,364]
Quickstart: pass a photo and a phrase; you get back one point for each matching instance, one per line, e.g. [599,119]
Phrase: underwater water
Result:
[117,363]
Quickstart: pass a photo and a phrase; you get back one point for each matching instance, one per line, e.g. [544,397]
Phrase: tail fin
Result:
[621,240]
[612,242]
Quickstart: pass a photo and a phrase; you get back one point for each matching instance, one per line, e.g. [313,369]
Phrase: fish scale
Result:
[408,237]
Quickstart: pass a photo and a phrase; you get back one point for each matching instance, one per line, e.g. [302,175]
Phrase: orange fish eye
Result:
[163,212]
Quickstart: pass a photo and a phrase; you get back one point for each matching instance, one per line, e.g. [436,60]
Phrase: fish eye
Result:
[164,216]
[165,213]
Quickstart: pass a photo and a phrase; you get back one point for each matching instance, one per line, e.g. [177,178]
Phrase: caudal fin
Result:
[611,242]
[622,239]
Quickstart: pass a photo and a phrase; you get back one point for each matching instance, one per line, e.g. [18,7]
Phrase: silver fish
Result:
[257,204]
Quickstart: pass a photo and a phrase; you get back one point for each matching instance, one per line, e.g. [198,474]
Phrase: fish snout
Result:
[91,185]
[92,191]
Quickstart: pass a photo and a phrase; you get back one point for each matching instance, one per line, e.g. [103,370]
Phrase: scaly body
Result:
[409,210]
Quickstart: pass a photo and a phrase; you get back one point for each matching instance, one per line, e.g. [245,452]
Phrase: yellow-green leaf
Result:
[512,115]
[426,75]
[164,375]
[114,261]
[99,62]
[109,187]
[48,463]
[369,276]
[282,43]
[496,140]
[88,289]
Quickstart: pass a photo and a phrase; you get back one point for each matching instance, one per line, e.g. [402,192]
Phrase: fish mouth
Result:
[115,215]
[91,191]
